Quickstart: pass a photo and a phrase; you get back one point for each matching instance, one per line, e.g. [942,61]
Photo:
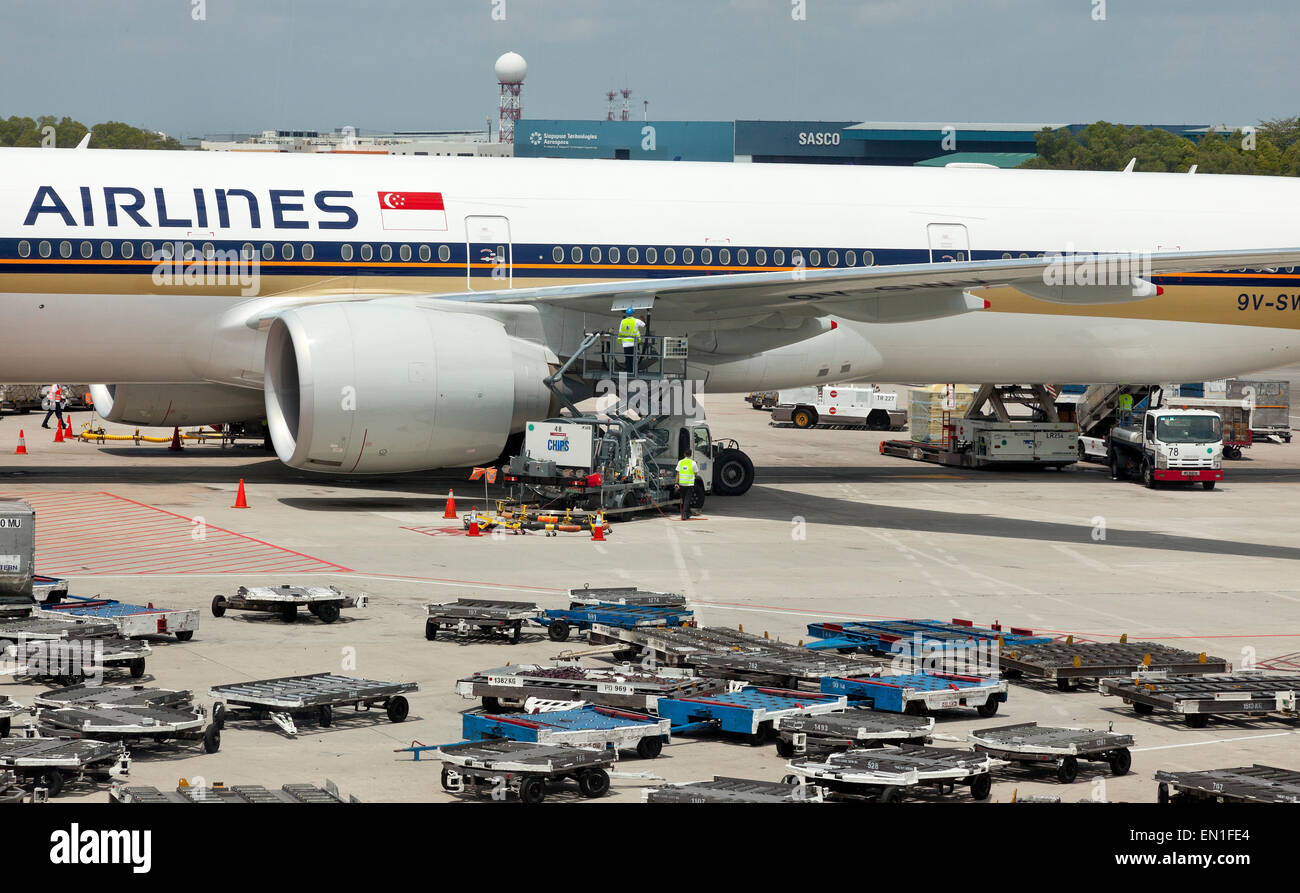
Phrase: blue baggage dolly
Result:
[588,726]
[919,693]
[884,635]
[559,621]
[752,711]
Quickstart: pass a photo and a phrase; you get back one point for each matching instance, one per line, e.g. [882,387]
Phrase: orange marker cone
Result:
[22,444]
[58,432]
[598,528]
[473,523]
[176,447]
[67,431]
[450,511]
[241,502]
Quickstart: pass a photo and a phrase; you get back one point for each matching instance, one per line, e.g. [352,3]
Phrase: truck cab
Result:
[1162,445]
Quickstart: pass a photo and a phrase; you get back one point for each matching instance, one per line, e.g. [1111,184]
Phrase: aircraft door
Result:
[948,242]
[489,262]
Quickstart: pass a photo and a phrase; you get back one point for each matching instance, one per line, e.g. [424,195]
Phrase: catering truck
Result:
[1167,445]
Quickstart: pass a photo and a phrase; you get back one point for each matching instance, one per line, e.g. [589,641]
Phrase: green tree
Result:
[16,131]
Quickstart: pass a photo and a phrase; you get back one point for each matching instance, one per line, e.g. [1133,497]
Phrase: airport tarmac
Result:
[830,530]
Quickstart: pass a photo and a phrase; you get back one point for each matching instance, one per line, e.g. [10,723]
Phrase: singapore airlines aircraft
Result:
[400,313]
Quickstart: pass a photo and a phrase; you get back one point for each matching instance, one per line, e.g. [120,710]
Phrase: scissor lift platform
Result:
[853,729]
[627,686]
[483,616]
[1038,746]
[315,694]
[883,636]
[1245,784]
[325,602]
[752,711]
[219,793]
[128,620]
[1197,698]
[589,726]
[1067,664]
[560,621]
[920,693]
[884,773]
[53,761]
[624,595]
[732,790]
[523,768]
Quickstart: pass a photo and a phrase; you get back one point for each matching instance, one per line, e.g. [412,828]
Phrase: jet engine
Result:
[176,404]
[374,388]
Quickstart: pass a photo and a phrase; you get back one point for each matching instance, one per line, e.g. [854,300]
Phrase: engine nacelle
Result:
[371,388]
[176,404]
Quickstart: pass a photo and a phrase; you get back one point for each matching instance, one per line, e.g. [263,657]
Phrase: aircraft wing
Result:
[902,293]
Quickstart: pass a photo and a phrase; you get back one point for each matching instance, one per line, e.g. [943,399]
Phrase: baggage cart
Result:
[1197,698]
[624,595]
[485,616]
[68,651]
[585,726]
[1067,664]
[1035,746]
[1245,784]
[497,766]
[51,762]
[559,621]
[128,714]
[316,695]
[884,636]
[853,729]
[623,686]
[131,621]
[733,790]
[919,693]
[325,602]
[751,711]
[885,774]
[221,793]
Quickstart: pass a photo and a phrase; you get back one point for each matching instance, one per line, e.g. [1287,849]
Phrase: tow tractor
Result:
[624,459]
[839,406]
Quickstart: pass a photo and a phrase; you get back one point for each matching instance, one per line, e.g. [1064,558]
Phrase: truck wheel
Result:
[1068,771]
[1120,761]
[1207,485]
[594,783]
[803,417]
[398,709]
[328,612]
[878,420]
[212,739]
[733,473]
[184,635]
[1083,452]
[981,786]
[558,631]
[650,747]
[989,707]
[1148,475]
[219,606]
[532,789]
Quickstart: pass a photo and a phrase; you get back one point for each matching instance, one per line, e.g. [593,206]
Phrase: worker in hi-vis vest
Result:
[686,470]
[630,331]
[56,401]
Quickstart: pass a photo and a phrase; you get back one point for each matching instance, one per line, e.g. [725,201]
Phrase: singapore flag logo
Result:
[412,210]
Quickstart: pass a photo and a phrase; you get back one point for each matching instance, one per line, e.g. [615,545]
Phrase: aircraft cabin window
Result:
[594,254]
[815,258]
[24,248]
[1023,256]
[268,251]
[868,259]
[367,252]
[688,255]
[404,252]
[246,251]
[575,254]
[833,258]
[105,249]
[127,249]
[444,253]
[385,252]
[87,249]
[346,252]
[615,255]
[778,257]
[146,251]
[286,251]
[670,255]
[760,257]
[44,249]
[796,257]
[188,249]
[850,258]
[426,254]
[65,249]
[652,255]
[742,257]
[209,252]
[557,254]
[724,256]
[706,255]
[308,251]
[633,255]
[1006,255]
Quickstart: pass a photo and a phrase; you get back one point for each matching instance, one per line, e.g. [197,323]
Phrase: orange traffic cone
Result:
[598,528]
[450,511]
[22,444]
[176,447]
[58,432]
[67,430]
[241,502]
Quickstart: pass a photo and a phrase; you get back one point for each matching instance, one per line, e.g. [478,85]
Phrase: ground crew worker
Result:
[686,470]
[57,400]
[630,331]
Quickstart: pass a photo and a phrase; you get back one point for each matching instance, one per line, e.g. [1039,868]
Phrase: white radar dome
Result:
[511,69]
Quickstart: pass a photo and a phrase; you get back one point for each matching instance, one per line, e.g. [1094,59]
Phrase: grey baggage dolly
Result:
[67,651]
[486,616]
[127,713]
[852,729]
[620,686]
[316,694]
[8,710]
[10,790]
[1246,784]
[325,602]
[523,768]
[624,595]
[1067,664]
[1197,698]
[220,793]
[1033,745]
[732,790]
[883,774]
[52,762]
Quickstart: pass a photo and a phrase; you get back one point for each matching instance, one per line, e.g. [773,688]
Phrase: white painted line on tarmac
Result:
[1214,741]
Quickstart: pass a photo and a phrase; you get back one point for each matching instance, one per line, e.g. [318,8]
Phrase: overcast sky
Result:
[427,64]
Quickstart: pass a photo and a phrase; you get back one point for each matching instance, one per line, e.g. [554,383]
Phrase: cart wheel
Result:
[1162,794]
[218,606]
[784,748]
[288,613]
[137,668]
[514,634]
[888,795]
[989,707]
[219,715]
[981,786]
[1120,761]
[532,790]
[1064,685]
[491,704]
[1143,708]
[1197,720]
[760,735]
[313,608]
[184,635]
[558,631]
[325,715]
[398,708]
[327,612]
[649,747]
[915,708]
[1068,771]
[212,739]
[431,629]
[594,783]
[53,781]
[5,725]
[68,680]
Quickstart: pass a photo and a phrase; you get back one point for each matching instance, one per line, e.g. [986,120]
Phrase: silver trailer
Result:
[314,695]
[220,793]
[17,557]
[50,762]
[1032,745]
[1270,406]
[324,602]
